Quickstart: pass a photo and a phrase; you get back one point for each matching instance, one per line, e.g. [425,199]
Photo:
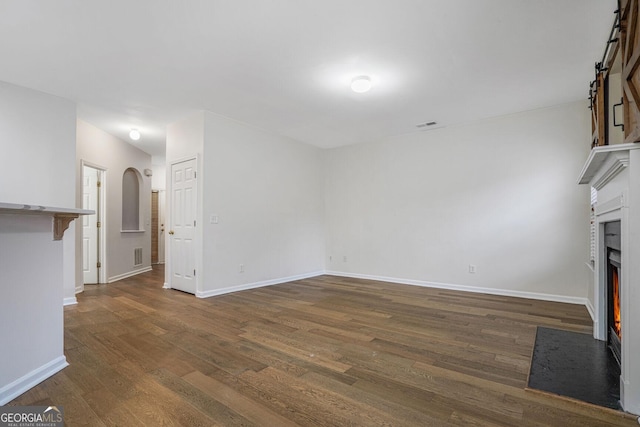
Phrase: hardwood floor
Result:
[326,351]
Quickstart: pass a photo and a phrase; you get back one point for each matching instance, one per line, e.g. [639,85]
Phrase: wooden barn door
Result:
[598,108]
[630,41]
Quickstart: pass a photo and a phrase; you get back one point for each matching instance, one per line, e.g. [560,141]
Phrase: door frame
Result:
[100,216]
[168,271]
[155,231]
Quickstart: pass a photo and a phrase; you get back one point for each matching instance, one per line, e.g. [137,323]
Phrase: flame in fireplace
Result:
[616,303]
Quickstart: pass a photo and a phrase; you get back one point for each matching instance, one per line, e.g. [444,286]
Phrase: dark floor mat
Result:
[575,365]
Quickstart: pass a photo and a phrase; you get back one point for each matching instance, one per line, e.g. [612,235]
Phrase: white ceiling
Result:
[285,65]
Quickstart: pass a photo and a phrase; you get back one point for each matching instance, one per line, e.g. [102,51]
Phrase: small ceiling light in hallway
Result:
[134,134]
[361,84]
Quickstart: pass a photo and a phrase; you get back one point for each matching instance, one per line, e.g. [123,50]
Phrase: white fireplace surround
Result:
[614,171]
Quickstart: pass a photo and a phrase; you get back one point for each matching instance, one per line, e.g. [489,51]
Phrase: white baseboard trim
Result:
[30,380]
[69,301]
[166,286]
[214,292]
[129,274]
[491,291]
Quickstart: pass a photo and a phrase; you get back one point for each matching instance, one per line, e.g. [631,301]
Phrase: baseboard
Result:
[464,288]
[129,274]
[426,284]
[30,380]
[166,286]
[214,292]
[69,301]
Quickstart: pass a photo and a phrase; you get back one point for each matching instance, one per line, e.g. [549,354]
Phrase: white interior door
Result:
[183,224]
[90,196]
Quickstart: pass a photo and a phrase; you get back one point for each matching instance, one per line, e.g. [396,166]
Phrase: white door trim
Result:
[101,216]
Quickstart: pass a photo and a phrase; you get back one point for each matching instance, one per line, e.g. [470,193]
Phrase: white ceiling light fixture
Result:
[361,84]
[134,134]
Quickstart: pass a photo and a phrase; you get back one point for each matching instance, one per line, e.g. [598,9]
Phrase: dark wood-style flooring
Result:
[326,351]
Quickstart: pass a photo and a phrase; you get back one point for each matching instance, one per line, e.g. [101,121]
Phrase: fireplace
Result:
[614,269]
[614,302]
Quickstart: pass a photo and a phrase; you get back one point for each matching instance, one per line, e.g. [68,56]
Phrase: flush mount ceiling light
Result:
[134,134]
[361,84]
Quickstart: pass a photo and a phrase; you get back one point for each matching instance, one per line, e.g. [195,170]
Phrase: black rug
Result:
[575,365]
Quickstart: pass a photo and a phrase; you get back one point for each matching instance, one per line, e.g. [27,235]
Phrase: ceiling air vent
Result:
[426,124]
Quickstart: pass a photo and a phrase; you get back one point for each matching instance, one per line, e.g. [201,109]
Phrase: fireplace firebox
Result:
[614,268]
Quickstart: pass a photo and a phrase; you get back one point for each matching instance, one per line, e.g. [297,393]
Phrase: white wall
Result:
[30,303]
[103,150]
[37,139]
[185,139]
[159,178]
[267,193]
[36,142]
[500,194]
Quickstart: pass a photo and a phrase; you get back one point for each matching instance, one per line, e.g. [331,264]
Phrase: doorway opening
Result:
[93,241]
[157,226]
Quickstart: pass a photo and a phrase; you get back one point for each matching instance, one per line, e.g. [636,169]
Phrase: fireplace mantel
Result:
[62,217]
[614,171]
[606,162]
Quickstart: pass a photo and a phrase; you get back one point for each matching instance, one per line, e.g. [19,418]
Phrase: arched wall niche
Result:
[131,190]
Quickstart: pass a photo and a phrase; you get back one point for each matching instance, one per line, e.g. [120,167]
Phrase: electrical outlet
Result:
[213,219]
[472,268]
[241,269]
